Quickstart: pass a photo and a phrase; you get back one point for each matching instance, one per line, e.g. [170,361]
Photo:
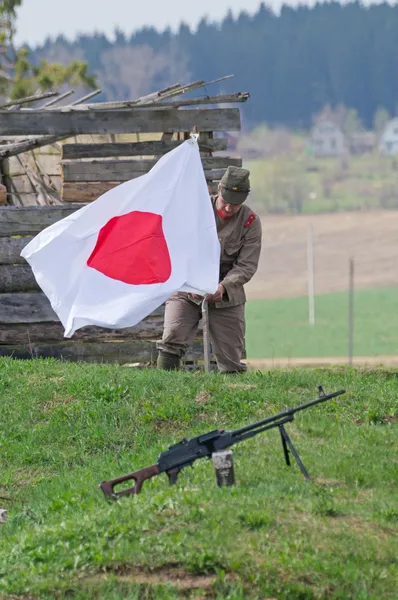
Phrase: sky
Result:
[39,19]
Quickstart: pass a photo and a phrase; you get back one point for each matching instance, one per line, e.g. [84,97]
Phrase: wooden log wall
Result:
[29,327]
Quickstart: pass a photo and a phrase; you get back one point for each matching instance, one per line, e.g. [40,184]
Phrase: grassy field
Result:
[280,328]
[296,183]
[65,427]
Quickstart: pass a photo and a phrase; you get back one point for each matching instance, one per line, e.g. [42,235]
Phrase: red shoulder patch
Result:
[250,220]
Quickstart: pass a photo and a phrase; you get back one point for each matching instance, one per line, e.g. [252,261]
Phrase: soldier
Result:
[239,232]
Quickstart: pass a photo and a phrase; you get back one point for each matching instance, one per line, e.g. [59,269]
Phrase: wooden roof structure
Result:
[50,154]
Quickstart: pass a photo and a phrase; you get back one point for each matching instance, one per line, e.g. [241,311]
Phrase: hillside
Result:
[65,427]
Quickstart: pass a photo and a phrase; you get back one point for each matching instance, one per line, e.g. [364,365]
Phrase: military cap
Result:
[235,185]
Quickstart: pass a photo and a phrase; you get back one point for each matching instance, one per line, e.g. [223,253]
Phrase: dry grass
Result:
[369,237]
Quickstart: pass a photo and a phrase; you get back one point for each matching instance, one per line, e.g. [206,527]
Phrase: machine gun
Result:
[186,452]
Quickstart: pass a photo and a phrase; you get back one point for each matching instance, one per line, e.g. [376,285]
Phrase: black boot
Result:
[168,361]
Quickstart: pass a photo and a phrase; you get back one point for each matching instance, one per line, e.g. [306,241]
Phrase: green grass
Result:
[280,328]
[65,427]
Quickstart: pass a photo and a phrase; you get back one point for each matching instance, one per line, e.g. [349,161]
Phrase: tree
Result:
[19,76]
[380,120]
[352,122]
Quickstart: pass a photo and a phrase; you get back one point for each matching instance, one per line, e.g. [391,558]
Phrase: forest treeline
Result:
[293,63]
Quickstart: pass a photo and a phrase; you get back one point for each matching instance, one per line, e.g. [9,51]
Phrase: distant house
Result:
[327,139]
[362,142]
[389,139]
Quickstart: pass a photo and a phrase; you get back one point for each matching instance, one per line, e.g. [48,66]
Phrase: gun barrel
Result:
[286,413]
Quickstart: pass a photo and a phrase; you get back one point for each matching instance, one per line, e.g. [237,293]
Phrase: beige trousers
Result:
[226,329]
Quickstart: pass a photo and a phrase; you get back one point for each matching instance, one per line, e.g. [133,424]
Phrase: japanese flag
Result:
[116,260]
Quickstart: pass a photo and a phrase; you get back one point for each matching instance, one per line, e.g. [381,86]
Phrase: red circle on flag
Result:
[132,248]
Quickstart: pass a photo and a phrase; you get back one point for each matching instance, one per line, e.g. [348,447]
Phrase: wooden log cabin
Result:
[55,160]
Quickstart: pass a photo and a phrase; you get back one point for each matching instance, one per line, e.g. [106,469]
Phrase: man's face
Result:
[227,210]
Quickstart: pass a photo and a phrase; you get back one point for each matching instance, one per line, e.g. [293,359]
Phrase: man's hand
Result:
[217,297]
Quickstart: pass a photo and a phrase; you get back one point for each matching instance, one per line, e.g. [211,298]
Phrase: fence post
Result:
[351,312]
[310,271]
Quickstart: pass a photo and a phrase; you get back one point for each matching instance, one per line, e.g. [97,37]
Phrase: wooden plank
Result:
[24,145]
[150,328]
[111,170]
[122,352]
[28,99]
[19,184]
[134,120]
[150,148]
[86,192]
[101,352]
[50,164]
[200,101]
[30,220]
[89,191]
[10,250]
[32,307]
[17,278]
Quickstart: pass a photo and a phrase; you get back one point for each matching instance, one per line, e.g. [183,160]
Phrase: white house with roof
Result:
[327,139]
[388,144]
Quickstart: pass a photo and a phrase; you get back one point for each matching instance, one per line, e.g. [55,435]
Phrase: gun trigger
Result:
[173,475]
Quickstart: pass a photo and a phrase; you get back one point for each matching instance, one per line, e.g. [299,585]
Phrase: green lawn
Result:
[280,328]
[65,427]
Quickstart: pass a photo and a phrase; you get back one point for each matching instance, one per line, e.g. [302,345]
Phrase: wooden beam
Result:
[126,352]
[11,248]
[150,148]
[33,307]
[7,150]
[56,122]
[150,328]
[85,98]
[124,170]
[31,220]
[205,100]
[80,351]
[56,100]
[86,191]
[29,99]
[18,278]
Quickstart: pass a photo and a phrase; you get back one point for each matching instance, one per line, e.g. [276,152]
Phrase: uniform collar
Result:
[224,217]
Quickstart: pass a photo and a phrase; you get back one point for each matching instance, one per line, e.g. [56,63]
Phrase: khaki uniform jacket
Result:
[240,239]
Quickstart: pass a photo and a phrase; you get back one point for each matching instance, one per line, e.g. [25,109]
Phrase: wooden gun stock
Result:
[139,477]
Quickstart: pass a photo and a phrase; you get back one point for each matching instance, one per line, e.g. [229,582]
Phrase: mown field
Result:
[280,328]
[65,427]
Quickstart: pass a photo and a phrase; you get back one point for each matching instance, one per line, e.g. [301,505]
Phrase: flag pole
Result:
[206,336]
[205,304]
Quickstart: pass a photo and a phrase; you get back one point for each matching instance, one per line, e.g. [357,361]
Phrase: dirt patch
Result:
[164,425]
[52,404]
[202,398]
[177,577]
[282,269]
[264,364]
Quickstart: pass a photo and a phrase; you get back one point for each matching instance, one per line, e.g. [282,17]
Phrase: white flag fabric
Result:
[116,260]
